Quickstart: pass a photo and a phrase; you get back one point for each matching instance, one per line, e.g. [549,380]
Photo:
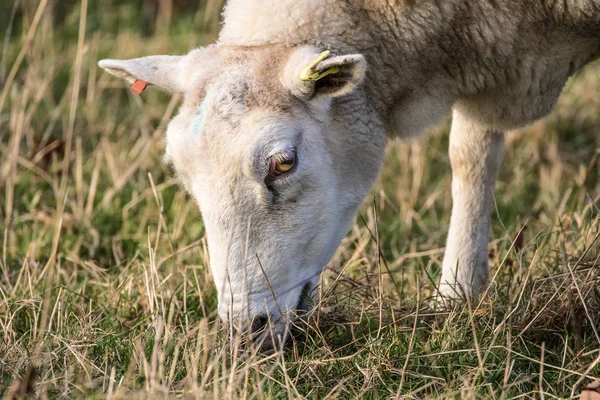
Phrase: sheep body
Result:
[400,67]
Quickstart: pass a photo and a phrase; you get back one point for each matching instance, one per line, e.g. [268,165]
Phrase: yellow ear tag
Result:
[308,74]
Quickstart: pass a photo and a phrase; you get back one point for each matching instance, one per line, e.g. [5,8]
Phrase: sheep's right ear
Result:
[164,72]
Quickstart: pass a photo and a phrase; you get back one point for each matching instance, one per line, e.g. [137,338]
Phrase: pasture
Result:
[105,289]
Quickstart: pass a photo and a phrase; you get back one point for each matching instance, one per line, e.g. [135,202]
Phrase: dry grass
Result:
[104,289]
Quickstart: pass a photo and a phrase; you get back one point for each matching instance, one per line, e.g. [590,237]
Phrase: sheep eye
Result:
[282,163]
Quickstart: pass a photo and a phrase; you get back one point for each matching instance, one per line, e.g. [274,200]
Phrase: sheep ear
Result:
[164,72]
[310,74]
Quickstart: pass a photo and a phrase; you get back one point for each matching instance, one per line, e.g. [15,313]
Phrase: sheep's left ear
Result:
[311,74]
[164,72]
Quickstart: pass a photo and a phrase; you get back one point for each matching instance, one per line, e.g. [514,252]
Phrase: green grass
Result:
[104,285]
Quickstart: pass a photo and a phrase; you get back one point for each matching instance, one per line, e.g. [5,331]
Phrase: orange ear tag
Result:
[139,86]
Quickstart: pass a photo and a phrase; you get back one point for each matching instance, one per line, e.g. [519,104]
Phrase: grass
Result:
[104,286]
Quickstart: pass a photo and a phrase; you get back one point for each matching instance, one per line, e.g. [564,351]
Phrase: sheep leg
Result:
[476,153]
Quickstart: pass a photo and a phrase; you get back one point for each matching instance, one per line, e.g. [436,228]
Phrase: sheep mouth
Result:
[274,334]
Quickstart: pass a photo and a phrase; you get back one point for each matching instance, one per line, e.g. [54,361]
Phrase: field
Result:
[104,284]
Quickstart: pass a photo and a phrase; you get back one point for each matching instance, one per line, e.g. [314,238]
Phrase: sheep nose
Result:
[258,324]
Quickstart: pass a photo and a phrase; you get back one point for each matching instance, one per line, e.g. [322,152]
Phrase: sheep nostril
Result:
[258,324]
[304,302]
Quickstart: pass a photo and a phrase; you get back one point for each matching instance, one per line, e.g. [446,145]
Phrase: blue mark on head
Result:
[199,121]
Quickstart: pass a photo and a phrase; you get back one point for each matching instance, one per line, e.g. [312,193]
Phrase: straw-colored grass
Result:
[104,285]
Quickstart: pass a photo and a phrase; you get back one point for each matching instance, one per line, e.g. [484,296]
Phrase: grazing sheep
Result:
[279,143]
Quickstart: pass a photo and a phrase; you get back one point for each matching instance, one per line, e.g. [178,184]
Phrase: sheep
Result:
[284,122]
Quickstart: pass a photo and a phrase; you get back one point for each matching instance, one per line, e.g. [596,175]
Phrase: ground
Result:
[104,286]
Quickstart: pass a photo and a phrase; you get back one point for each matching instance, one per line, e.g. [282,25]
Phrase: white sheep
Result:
[280,142]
